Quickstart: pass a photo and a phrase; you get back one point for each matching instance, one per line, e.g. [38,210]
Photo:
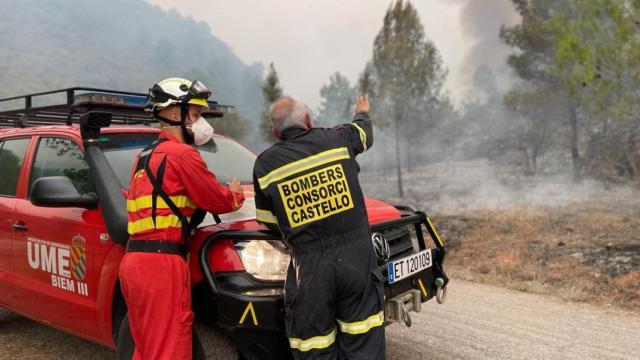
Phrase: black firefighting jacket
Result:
[307,184]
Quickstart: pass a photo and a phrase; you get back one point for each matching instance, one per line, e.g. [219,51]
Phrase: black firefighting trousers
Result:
[334,301]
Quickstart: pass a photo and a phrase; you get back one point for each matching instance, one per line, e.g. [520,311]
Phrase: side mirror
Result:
[59,191]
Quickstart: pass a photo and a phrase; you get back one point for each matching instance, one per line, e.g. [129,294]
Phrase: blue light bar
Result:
[108,98]
[132,100]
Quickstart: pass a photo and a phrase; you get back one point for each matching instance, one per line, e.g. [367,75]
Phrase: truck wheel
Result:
[124,344]
[215,345]
[6,314]
[207,344]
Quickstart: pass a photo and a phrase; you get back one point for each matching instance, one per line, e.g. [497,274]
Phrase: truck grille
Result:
[401,239]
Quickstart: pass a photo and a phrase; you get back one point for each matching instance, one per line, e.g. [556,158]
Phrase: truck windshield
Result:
[227,159]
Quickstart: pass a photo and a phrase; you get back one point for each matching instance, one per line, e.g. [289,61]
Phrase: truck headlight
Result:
[264,259]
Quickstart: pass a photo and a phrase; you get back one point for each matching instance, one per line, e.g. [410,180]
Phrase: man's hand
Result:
[362,104]
[235,186]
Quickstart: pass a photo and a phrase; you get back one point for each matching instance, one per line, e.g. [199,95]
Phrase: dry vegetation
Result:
[588,256]
[580,242]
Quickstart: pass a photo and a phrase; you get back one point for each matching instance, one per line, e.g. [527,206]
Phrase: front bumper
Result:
[406,295]
[251,312]
[248,311]
[254,322]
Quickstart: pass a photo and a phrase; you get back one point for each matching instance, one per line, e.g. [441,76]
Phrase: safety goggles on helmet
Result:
[197,90]
[198,94]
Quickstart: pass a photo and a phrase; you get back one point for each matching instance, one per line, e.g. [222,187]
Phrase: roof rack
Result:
[127,108]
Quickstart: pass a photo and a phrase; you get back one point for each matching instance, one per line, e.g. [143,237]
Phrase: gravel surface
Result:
[485,322]
[24,339]
[477,322]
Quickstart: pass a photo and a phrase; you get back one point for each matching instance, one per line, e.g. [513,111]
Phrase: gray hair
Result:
[288,112]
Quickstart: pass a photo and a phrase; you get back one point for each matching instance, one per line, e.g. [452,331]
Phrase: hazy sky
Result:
[309,40]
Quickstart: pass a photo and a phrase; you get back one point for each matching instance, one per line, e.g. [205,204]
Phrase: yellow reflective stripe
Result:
[361,327]
[303,164]
[435,232]
[266,216]
[316,342]
[363,136]
[144,202]
[162,222]
[424,291]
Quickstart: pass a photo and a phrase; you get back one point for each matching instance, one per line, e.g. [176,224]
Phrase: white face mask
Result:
[202,131]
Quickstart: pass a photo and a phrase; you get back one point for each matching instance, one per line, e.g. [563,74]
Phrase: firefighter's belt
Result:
[157,246]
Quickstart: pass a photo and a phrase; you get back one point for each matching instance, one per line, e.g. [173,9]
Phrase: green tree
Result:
[597,48]
[367,82]
[541,113]
[409,75]
[597,56]
[534,62]
[337,101]
[367,85]
[271,91]
[231,124]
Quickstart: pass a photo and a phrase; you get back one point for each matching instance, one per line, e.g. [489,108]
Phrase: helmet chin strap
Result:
[184,112]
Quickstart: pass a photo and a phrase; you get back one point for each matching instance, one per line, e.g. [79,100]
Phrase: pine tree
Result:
[337,101]
[409,75]
[232,124]
[271,91]
[597,58]
[542,101]
[367,85]
[366,82]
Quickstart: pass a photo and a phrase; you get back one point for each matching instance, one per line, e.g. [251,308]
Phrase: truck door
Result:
[12,154]
[53,254]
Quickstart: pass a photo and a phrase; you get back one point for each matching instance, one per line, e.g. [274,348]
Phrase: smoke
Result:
[481,21]
[458,187]
[483,155]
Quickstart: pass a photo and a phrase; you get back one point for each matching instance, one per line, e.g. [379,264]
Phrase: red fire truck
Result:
[65,159]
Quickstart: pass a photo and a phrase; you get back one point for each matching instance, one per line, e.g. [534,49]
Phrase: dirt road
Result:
[476,322]
[485,322]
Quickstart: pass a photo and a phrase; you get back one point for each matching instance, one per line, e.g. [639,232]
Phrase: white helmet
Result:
[176,91]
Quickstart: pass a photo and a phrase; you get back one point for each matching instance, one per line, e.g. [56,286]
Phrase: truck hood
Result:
[377,211]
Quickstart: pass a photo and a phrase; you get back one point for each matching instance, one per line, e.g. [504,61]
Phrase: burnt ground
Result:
[591,257]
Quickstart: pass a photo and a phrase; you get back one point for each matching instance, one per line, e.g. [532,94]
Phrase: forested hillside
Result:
[119,44]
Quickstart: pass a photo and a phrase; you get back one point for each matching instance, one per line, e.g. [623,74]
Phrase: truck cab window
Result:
[11,156]
[227,160]
[60,157]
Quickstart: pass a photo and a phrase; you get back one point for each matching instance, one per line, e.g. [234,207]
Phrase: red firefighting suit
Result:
[153,274]
[307,185]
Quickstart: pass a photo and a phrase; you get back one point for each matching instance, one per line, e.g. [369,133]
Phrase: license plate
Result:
[405,267]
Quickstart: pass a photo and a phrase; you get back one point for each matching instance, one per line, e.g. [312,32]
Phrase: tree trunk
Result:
[575,156]
[537,149]
[534,160]
[527,161]
[383,158]
[408,153]
[398,167]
